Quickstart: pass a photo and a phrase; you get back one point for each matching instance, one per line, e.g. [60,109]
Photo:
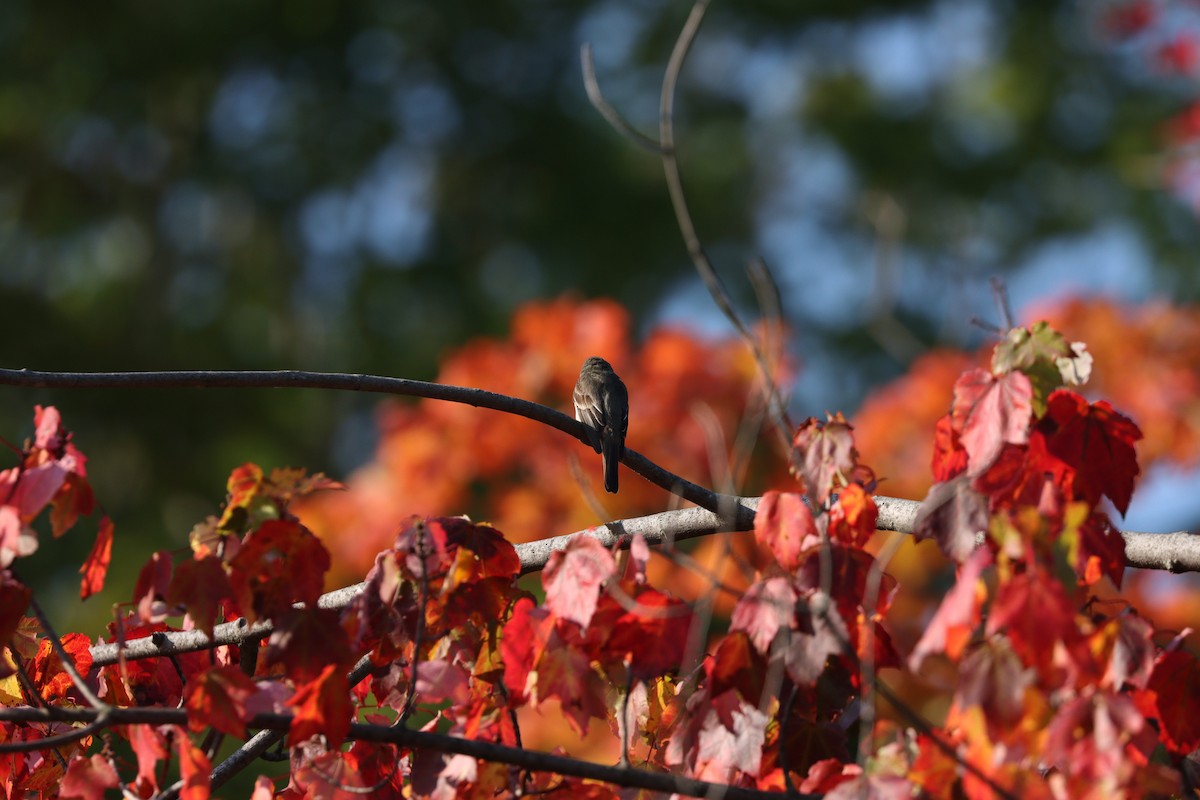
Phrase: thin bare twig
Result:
[610,114]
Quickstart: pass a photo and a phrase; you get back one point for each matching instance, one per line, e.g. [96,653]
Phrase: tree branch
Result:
[295,379]
[1175,552]
[527,759]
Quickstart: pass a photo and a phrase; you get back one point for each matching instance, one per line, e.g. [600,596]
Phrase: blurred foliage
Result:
[362,187]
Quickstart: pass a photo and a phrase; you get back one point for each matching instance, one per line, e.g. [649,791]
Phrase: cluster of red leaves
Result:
[437,458]
[1052,697]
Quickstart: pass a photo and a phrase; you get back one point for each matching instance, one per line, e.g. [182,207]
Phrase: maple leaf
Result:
[1127,639]
[218,697]
[724,737]
[195,769]
[1032,608]
[1097,442]
[308,640]
[520,645]
[200,585]
[735,664]
[1172,696]
[95,568]
[151,586]
[566,672]
[826,775]
[827,455]
[989,412]
[821,633]
[48,674]
[955,621]
[992,678]
[955,515]
[280,563]
[323,708]
[87,778]
[150,747]
[1089,736]
[653,617]
[852,518]
[784,524]
[949,457]
[767,607]
[1035,351]
[573,577]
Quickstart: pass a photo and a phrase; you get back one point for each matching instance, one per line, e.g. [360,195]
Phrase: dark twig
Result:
[610,114]
[278,379]
[527,759]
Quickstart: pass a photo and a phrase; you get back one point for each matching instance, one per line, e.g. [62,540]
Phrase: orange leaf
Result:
[194,769]
[322,708]
[96,567]
[218,697]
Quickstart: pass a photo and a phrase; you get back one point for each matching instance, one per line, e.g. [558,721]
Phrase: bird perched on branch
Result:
[602,405]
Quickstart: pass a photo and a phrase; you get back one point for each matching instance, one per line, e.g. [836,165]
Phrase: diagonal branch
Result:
[295,379]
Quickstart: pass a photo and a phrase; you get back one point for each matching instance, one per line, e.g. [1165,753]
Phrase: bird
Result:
[602,405]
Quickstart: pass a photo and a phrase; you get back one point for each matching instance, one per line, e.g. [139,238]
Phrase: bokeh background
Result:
[366,187]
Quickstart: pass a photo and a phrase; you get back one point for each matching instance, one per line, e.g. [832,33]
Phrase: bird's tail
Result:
[613,449]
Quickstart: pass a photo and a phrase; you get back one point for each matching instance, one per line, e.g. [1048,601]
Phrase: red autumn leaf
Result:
[195,770]
[573,577]
[992,678]
[14,599]
[73,500]
[766,607]
[323,708]
[96,567]
[1173,697]
[821,634]
[565,671]
[949,457]
[1097,442]
[784,524]
[852,518]
[656,618]
[989,412]
[243,484]
[483,552]
[280,563]
[306,641]
[1089,736]
[735,664]
[955,515]
[218,697]
[827,454]
[48,674]
[1128,641]
[1101,551]
[151,586]
[521,645]
[200,585]
[1033,610]
[150,747]
[725,737]
[87,778]
[957,617]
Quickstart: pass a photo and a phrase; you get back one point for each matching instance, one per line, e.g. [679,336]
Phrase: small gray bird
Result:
[602,404]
